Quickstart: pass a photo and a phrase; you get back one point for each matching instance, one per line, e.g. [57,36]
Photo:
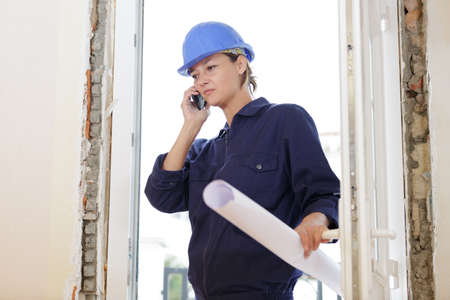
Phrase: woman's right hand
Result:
[193,121]
[192,115]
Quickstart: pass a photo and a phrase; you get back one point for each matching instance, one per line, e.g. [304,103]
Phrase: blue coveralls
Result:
[271,153]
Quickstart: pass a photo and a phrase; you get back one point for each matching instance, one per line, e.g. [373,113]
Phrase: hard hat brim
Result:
[184,70]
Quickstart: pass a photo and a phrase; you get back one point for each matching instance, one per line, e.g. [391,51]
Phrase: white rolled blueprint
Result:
[270,231]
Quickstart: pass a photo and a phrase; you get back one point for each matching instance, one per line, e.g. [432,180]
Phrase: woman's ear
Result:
[241,64]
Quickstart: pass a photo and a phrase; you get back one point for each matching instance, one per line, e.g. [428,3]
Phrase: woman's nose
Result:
[202,79]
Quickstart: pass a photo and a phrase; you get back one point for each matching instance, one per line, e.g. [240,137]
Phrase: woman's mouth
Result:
[207,92]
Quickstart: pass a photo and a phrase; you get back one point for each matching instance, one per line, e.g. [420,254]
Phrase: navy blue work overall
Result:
[271,153]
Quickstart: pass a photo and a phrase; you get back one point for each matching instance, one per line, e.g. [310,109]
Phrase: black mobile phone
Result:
[198,101]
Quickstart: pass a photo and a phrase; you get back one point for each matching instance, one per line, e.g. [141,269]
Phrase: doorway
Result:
[296,61]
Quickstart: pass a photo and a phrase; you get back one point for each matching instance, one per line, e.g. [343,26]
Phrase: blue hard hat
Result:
[207,38]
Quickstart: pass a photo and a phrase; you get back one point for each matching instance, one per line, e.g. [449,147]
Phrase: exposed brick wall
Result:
[95,155]
[416,143]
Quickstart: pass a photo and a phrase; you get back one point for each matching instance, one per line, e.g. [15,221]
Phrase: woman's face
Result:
[217,78]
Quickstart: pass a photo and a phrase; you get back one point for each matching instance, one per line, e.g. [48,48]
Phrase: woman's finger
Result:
[306,242]
[317,237]
[188,93]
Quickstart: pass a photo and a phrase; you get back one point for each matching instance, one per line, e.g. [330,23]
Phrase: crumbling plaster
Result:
[96,151]
[416,145]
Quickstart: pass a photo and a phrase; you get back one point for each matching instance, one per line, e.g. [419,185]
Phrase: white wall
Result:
[439,65]
[41,90]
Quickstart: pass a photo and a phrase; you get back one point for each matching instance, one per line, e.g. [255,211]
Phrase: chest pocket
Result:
[262,162]
[257,176]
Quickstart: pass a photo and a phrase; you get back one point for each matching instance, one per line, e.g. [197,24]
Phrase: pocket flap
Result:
[262,162]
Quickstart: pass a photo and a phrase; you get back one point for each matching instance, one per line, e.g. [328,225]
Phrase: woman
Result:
[270,152]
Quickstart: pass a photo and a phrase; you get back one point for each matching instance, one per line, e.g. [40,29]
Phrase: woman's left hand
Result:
[310,231]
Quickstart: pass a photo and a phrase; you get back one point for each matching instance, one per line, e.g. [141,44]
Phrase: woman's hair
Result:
[247,74]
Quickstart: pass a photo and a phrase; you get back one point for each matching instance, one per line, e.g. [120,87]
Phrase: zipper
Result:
[205,252]
[226,141]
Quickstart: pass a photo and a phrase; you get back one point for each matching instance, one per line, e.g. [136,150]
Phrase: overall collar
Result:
[249,110]
[253,107]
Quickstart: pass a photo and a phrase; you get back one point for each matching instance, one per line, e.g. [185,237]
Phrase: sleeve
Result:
[314,183]
[168,191]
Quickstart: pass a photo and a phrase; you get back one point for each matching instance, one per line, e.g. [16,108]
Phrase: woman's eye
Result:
[195,76]
[211,67]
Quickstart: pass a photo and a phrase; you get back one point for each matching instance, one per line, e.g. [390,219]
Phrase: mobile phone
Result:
[198,101]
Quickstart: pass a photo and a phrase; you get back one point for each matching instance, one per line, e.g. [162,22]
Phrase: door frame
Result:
[123,225]
[356,150]
[372,210]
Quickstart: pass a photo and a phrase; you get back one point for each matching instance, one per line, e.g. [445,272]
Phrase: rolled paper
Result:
[269,231]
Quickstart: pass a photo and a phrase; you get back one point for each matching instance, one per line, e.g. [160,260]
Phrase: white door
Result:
[373,206]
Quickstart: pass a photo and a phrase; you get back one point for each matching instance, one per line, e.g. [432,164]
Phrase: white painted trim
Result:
[360,78]
[124,187]
[136,154]
[345,209]
[389,150]
[378,149]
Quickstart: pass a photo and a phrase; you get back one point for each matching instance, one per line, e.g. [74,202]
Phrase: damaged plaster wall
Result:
[96,151]
[438,45]
[416,144]
[56,90]
[43,61]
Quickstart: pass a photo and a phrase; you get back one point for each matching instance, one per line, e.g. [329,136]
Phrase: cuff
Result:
[327,206]
[164,179]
